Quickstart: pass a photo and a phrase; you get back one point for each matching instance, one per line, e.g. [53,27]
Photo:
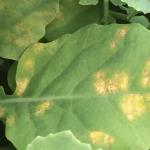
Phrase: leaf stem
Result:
[105,11]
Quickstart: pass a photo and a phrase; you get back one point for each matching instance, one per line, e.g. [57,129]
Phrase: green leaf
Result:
[88,2]
[61,141]
[88,82]
[140,19]
[11,76]
[71,17]
[130,10]
[139,5]
[23,23]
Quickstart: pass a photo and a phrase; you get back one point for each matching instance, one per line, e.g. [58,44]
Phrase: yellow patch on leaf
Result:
[122,32]
[39,47]
[10,120]
[21,86]
[122,80]
[2,111]
[113,44]
[103,85]
[28,64]
[44,106]
[98,137]
[146,75]
[133,106]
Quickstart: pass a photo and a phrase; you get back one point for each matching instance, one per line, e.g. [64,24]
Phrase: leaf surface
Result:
[87,82]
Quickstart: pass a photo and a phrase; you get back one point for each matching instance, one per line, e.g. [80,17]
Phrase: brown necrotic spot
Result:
[99,137]
[104,85]
[43,107]
[133,106]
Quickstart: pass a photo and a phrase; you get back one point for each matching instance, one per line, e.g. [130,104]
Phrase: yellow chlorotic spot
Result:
[2,111]
[111,86]
[10,120]
[21,86]
[117,82]
[146,75]
[133,106]
[122,80]
[98,137]
[39,47]
[122,32]
[113,44]
[99,83]
[28,64]
[41,108]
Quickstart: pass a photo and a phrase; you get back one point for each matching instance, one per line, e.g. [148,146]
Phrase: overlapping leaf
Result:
[139,5]
[61,141]
[23,23]
[71,17]
[88,82]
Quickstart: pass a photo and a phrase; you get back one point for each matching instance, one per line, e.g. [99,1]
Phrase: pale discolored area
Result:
[21,86]
[113,44]
[121,33]
[118,82]
[133,106]
[2,111]
[43,107]
[39,48]
[29,64]
[10,120]
[101,138]
[145,81]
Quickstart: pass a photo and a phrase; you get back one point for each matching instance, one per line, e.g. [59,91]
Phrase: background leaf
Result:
[139,5]
[140,19]
[71,17]
[12,76]
[23,23]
